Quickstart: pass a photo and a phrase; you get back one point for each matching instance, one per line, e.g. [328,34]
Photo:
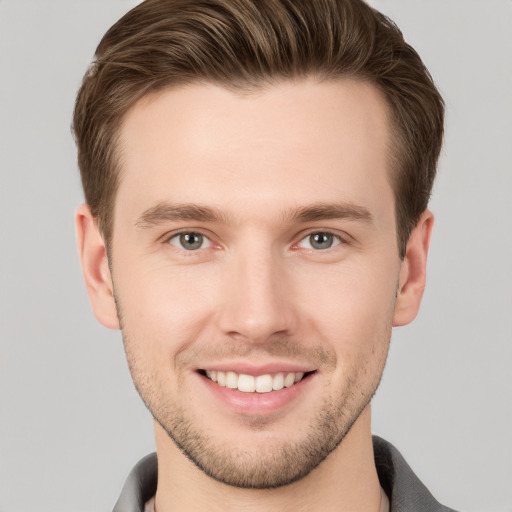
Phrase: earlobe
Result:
[96,272]
[413,272]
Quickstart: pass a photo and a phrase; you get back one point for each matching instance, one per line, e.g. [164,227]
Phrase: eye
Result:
[190,241]
[320,240]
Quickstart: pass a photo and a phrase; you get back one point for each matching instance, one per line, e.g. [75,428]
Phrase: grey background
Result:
[71,423]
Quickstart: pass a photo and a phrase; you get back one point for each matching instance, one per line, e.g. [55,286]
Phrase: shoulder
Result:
[140,486]
[405,490]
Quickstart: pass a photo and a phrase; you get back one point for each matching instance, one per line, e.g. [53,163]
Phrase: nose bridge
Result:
[258,301]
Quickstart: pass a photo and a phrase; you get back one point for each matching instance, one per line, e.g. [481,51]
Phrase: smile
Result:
[254,384]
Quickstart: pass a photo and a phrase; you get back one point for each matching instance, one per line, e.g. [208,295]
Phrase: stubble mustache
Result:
[312,354]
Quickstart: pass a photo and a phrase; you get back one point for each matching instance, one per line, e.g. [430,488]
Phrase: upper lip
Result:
[248,368]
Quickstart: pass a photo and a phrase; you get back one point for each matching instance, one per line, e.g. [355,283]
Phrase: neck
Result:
[345,481]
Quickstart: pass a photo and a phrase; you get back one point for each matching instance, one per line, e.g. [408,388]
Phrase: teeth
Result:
[212,375]
[249,384]
[264,383]
[221,378]
[231,380]
[278,382]
[246,383]
[289,380]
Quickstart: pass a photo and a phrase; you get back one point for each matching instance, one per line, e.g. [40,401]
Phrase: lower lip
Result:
[257,404]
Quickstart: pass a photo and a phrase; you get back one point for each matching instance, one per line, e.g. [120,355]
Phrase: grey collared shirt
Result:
[405,491]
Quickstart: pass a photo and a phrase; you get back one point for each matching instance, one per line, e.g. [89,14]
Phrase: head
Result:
[257,177]
[245,46]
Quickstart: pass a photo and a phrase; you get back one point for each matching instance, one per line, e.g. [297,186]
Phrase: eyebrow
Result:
[168,212]
[326,211]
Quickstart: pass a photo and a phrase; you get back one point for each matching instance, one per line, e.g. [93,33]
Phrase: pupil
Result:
[321,240]
[191,241]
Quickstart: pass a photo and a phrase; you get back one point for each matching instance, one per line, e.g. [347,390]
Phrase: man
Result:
[257,175]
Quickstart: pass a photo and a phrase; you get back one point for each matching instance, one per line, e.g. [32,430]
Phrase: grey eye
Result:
[319,241]
[190,241]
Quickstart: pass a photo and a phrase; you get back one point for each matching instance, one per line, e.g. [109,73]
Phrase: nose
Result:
[258,299]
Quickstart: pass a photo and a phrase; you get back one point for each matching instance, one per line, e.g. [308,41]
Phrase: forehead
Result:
[291,144]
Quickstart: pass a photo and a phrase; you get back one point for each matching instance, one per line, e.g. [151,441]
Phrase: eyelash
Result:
[337,240]
[206,238]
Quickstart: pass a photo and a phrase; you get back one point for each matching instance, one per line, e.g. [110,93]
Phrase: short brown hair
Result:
[246,44]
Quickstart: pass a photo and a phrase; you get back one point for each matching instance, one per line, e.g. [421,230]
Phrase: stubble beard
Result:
[267,467]
[275,464]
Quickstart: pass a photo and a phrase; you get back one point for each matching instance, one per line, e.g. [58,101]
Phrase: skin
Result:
[257,291]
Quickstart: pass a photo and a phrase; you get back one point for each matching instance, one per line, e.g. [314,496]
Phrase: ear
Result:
[94,260]
[413,271]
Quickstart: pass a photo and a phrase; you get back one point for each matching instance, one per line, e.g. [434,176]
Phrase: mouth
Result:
[246,383]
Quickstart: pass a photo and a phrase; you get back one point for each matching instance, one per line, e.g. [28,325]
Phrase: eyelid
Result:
[343,238]
[166,239]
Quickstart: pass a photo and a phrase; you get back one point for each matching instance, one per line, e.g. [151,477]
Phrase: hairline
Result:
[394,147]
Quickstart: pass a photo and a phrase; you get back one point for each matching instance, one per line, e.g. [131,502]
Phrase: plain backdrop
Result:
[71,422]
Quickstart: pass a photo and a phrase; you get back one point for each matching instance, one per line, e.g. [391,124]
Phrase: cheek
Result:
[353,307]
[164,306]
[167,308]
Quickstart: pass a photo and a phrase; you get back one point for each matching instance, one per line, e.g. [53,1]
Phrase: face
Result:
[255,269]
